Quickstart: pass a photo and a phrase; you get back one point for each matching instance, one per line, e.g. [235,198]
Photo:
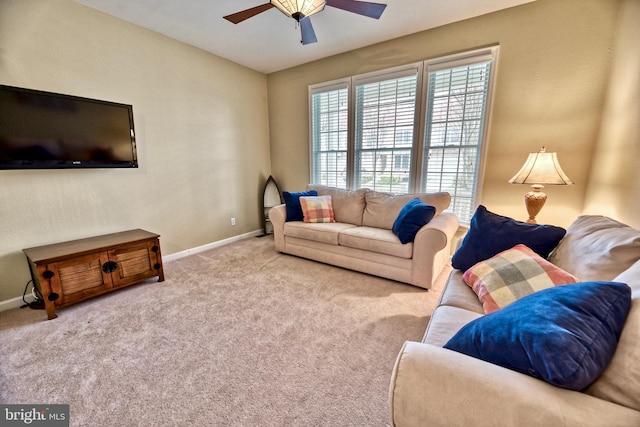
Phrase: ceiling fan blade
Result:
[238,17]
[308,35]
[372,10]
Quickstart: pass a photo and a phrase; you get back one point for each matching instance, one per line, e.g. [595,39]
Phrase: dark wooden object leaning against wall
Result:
[73,271]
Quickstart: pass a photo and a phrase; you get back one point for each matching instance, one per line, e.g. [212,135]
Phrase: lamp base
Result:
[534,201]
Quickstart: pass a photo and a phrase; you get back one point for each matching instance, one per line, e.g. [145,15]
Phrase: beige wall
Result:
[551,85]
[614,182]
[202,135]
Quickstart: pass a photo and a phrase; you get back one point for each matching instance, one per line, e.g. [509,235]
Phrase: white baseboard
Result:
[211,245]
[11,303]
[17,301]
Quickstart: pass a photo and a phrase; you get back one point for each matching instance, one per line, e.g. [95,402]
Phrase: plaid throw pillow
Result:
[511,275]
[317,209]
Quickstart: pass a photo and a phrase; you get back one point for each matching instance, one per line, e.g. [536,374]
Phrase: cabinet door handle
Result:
[109,266]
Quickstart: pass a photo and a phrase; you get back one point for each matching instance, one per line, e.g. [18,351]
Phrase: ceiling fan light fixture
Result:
[298,9]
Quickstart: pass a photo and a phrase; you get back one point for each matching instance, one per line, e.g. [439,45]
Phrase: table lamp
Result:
[540,169]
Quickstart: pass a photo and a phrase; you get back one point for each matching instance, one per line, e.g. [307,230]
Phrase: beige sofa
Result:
[435,386]
[361,238]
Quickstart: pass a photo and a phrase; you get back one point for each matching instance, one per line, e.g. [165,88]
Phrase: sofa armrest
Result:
[278,216]
[435,386]
[431,248]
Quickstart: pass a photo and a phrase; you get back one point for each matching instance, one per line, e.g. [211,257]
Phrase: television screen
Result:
[43,130]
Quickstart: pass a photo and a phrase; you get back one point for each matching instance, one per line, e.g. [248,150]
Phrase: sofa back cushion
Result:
[382,209]
[597,248]
[620,382]
[348,205]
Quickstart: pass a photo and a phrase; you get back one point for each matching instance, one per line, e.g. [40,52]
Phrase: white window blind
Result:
[455,122]
[329,127]
[416,128]
[384,129]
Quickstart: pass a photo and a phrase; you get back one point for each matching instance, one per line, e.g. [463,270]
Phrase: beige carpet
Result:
[236,336]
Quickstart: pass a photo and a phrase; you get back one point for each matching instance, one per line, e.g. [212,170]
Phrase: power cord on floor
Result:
[38,300]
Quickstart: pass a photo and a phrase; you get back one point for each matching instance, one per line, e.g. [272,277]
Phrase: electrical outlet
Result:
[233,221]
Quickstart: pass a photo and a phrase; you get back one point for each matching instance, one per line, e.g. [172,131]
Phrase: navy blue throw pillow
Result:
[411,218]
[292,202]
[489,234]
[565,335]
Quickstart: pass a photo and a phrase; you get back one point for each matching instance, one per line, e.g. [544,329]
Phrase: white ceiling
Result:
[270,41]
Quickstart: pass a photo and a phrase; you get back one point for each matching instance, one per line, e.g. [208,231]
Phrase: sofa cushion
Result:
[412,217]
[327,232]
[382,209]
[317,209]
[631,276]
[597,248]
[348,205]
[620,382]
[490,234]
[292,202]
[458,294]
[511,275]
[565,335]
[445,322]
[375,240]
[354,259]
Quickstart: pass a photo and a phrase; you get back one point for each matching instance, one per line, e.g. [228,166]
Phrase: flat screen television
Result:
[44,130]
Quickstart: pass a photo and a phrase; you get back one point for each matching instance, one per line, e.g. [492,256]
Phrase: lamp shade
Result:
[541,168]
[298,9]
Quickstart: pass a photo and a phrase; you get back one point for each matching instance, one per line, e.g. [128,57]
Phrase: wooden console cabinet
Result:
[74,271]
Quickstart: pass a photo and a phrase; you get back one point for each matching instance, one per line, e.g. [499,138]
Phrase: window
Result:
[455,122]
[384,128]
[418,128]
[329,117]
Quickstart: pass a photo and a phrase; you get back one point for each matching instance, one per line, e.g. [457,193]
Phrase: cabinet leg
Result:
[159,265]
[50,307]
[49,304]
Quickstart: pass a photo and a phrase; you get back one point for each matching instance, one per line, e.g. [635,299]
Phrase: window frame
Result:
[452,61]
[421,69]
[381,76]
[333,85]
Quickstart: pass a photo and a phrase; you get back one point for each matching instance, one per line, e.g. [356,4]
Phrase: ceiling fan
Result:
[300,10]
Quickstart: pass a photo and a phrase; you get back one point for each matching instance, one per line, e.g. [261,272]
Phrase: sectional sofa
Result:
[466,369]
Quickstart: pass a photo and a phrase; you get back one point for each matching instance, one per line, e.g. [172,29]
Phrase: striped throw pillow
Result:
[317,209]
[511,275]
